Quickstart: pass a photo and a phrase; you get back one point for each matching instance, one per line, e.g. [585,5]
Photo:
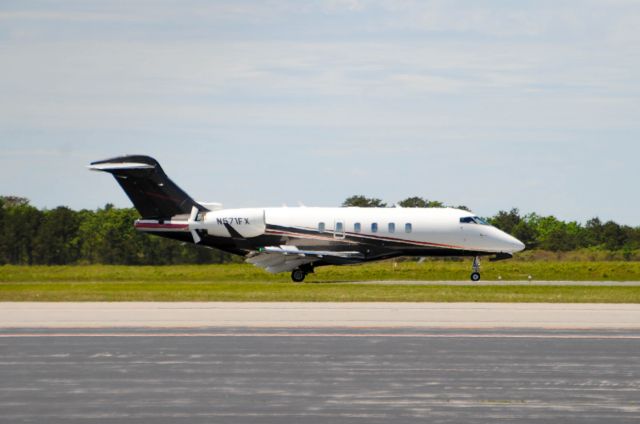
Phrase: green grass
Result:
[237,282]
[329,292]
[426,271]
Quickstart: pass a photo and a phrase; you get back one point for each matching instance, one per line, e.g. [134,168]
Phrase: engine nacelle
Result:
[248,222]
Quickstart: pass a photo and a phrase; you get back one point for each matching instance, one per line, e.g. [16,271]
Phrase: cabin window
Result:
[357,227]
[339,227]
[374,227]
[321,227]
[392,227]
[407,227]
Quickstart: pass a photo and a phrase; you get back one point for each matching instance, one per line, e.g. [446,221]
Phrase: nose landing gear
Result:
[475,275]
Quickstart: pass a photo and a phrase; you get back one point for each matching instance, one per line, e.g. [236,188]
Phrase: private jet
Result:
[300,239]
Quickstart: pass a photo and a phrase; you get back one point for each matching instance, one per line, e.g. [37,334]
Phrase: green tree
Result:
[435,204]
[614,236]
[3,244]
[108,237]
[12,201]
[633,237]
[56,242]
[526,233]
[419,202]
[364,202]
[556,235]
[21,223]
[413,202]
[506,221]
[594,232]
[462,207]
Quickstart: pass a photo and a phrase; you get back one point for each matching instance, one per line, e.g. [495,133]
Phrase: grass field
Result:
[426,271]
[237,282]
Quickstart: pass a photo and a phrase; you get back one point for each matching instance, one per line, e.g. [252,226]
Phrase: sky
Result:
[490,104]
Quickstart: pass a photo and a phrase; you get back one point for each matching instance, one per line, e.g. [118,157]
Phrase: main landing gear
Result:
[297,275]
[475,275]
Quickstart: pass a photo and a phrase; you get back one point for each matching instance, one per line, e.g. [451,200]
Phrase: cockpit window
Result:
[473,220]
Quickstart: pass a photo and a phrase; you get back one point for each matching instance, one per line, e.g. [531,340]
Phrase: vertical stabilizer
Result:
[153,194]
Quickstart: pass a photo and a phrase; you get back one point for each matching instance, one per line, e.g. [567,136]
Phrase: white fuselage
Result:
[437,227]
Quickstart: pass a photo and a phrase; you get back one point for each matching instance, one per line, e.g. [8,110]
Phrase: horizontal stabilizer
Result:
[107,167]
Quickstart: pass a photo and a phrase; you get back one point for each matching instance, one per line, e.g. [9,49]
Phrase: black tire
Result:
[475,276]
[297,275]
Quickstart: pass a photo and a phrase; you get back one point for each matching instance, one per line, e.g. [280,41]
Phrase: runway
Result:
[318,315]
[258,375]
[319,362]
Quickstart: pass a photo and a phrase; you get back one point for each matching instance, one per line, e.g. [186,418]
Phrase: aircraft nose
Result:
[509,243]
[519,246]
[514,245]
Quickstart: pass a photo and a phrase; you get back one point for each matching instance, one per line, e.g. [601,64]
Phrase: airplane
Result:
[300,239]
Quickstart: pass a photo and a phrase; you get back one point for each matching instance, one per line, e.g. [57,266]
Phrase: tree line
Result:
[62,236]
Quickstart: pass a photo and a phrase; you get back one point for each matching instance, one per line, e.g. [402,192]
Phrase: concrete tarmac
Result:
[330,375]
[317,314]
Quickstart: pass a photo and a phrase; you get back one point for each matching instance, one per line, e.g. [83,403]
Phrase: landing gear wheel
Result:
[297,275]
[475,275]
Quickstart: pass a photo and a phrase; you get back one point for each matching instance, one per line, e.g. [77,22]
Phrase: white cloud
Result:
[97,85]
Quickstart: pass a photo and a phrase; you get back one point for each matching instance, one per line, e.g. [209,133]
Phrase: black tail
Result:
[153,194]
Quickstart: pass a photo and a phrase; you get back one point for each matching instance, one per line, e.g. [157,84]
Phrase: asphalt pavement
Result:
[292,375]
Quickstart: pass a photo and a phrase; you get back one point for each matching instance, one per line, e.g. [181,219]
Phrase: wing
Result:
[276,259]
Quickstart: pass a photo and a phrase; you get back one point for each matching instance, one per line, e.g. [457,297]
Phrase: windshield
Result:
[473,220]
